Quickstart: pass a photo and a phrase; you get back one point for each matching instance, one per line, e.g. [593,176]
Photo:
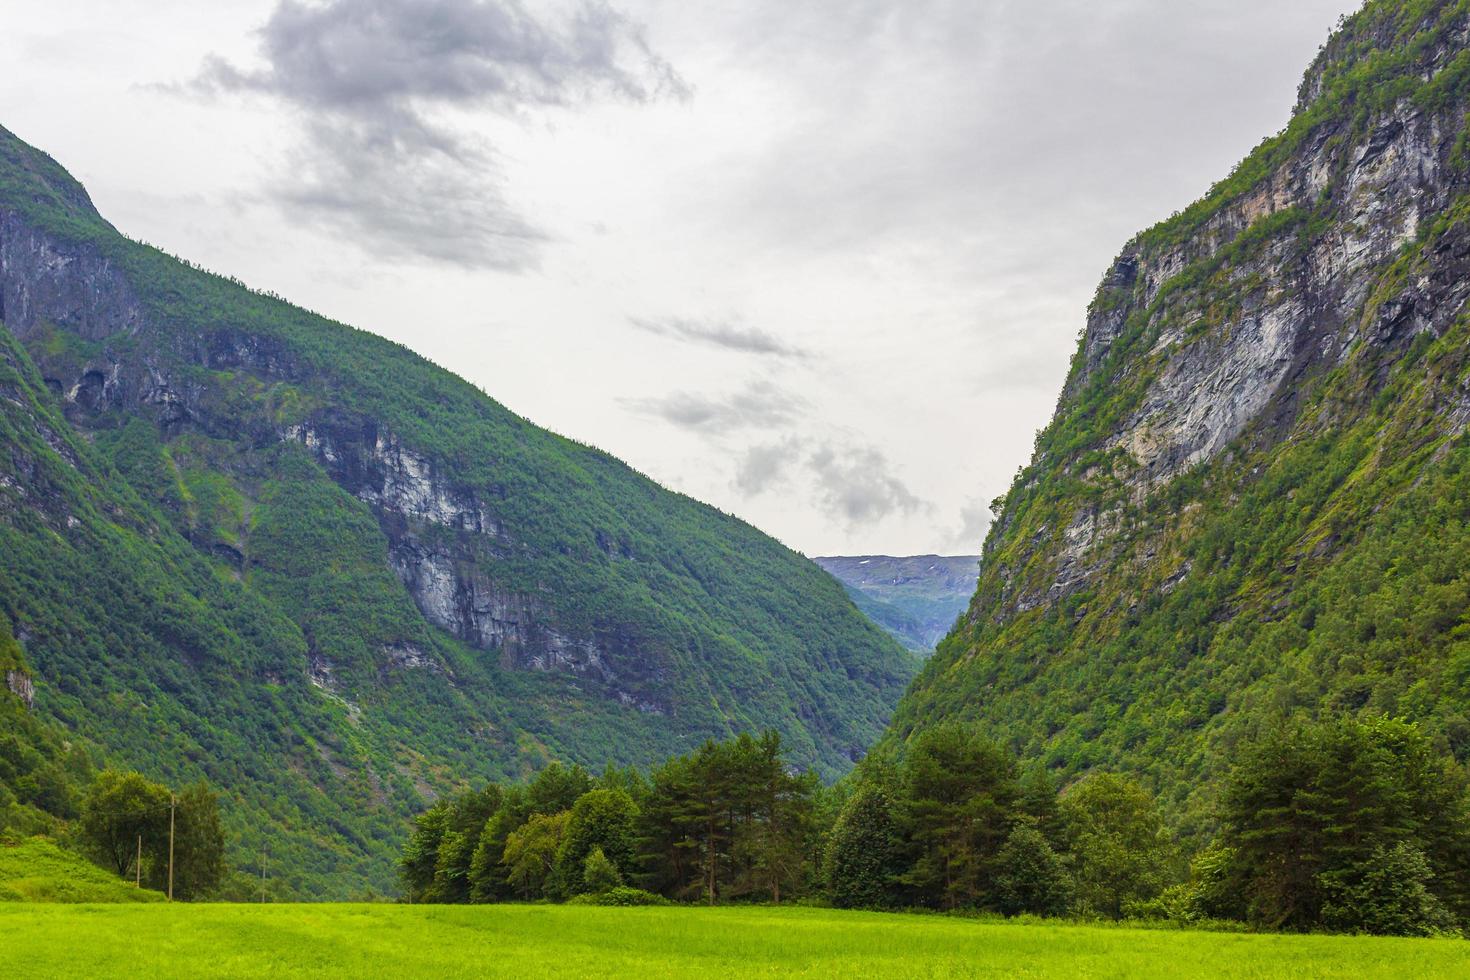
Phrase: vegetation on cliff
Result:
[1213,543]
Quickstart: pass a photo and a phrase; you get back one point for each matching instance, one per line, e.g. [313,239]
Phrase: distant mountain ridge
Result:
[917,599]
[244,542]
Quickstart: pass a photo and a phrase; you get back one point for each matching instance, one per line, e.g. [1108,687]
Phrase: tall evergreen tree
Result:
[961,797]
[1311,812]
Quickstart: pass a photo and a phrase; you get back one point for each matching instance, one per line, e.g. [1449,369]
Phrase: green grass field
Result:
[386,941]
[37,870]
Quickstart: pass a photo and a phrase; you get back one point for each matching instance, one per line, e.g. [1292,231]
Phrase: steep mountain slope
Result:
[1253,499]
[242,541]
[915,599]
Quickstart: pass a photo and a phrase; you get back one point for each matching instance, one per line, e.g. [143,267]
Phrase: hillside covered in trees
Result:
[241,542]
[1253,503]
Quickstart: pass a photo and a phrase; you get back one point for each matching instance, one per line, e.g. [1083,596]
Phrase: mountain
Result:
[240,541]
[1253,501]
[917,599]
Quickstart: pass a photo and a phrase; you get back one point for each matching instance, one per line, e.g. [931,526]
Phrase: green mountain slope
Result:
[1252,502]
[915,599]
[243,542]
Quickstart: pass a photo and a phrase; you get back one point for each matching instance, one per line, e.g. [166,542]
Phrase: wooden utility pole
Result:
[262,874]
[172,800]
[138,864]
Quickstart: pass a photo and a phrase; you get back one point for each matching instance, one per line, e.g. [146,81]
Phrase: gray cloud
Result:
[372,81]
[719,333]
[765,467]
[856,487]
[975,521]
[760,404]
[854,484]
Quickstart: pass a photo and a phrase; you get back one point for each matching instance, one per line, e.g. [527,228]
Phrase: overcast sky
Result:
[821,263]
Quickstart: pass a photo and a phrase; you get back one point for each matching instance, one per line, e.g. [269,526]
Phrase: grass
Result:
[37,870]
[558,941]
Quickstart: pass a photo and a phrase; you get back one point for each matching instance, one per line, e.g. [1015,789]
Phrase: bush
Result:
[599,875]
[623,895]
[1031,878]
[1387,896]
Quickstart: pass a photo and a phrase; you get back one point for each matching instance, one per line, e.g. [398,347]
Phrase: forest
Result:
[1347,825]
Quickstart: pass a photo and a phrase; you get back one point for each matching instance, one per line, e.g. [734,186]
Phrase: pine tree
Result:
[961,796]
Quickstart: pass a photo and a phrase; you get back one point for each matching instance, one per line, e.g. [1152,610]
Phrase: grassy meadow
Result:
[36,870]
[529,941]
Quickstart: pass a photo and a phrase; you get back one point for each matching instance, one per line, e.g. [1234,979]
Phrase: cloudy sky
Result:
[821,263]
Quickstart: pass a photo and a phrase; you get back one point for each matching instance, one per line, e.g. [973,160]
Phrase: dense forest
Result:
[1347,825]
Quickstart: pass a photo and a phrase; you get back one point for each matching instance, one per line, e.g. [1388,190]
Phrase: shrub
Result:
[1387,896]
[623,895]
[599,875]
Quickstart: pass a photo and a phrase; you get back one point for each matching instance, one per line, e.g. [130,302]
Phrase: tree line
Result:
[1350,825]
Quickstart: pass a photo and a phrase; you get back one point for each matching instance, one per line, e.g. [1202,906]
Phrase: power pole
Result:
[262,874]
[172,800]
[138,864]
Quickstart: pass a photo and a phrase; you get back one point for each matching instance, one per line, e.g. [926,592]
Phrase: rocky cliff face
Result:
[1290,269]
[1248,370]
[441,536]
[19,683]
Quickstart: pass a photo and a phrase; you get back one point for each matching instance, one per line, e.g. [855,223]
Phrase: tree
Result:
[488,882]
[1039,802]
[668,845]
[1031,877]
[464,821]
[961,797]
[1117,844]
[729,819]
[556,788]
[1387,895]
[124,807]
[599,874]
[421,853]
[1313,811]
[603,820]
[530,855]
[772,812]
[199,845]
[864,855]
[121,808]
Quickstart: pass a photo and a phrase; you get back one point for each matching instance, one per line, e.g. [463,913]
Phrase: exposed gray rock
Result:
[20,684]
[43,280]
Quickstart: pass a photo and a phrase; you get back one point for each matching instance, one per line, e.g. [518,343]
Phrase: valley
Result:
[385,677]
